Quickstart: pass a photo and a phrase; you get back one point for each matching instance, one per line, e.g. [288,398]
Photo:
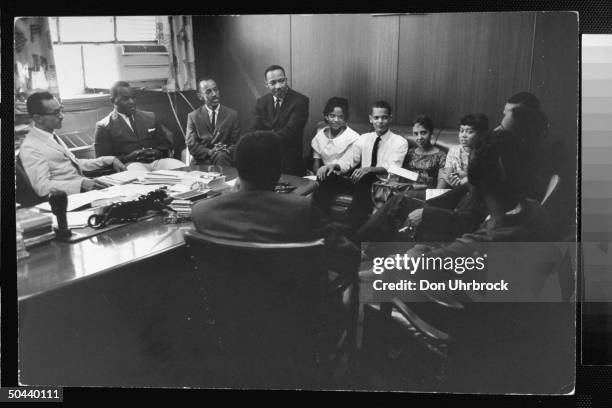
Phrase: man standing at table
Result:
[46,159]
[134,136]
[285,112]
[212,130]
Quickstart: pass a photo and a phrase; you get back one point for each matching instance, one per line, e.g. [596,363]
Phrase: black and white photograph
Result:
[364,202]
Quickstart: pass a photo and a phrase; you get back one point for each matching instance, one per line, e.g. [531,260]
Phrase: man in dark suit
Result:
[213,129]
[134,136]
[256,213]
[285,112]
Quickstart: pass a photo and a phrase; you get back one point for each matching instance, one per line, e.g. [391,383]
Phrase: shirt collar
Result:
[44,132]
[210,111]
[277,99]
[384,136]
[123,115]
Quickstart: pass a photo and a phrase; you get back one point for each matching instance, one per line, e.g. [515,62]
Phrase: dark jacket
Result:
[288,125]
[113,136]
[200,138]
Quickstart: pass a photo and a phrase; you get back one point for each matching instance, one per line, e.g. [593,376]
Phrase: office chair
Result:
[24,193]
[267,307]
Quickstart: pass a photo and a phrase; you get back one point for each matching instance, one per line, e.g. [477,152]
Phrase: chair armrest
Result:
[420,324]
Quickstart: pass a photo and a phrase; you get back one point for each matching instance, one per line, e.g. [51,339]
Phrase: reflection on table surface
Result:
[55,264]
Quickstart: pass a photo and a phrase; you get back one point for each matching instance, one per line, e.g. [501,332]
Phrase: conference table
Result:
[90,312]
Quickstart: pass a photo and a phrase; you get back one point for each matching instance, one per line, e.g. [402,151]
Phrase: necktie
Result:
[133,124]
[374,160]
[277,106]
[213,121]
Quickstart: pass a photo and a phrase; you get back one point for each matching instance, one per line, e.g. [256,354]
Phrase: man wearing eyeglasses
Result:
[133,135]
[46,159]
[285,112]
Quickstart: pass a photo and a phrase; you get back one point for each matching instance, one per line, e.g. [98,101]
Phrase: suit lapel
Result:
[52,144]
[141,126]
[125,128]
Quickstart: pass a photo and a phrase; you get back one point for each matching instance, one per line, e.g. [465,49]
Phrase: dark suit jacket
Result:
[269,217]
[113,137]
[288,125]
[200,138]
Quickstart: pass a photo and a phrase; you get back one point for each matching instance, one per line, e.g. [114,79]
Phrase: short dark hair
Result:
[383,105]
[526,99]
[479,122]
[258,159]
[424,121]
[274,68]
[337,102]
[495,168]
[115,88]
[34,102]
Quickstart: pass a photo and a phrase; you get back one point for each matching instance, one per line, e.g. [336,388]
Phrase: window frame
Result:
[115,41]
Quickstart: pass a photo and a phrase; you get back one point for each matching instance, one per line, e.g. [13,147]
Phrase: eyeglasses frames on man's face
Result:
[56,113]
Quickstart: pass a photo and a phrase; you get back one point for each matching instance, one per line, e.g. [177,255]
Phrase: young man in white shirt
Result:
[371,156]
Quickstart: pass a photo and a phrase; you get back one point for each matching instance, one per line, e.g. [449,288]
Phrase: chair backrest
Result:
[24,193]
[262,298]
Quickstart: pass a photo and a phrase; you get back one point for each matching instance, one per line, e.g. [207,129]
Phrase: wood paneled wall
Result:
[445,65]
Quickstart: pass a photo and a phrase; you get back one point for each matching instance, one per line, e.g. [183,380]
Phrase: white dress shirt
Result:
[210,112]
[392,149]
[126,119]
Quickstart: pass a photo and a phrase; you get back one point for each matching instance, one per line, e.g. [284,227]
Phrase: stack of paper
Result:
[163,177]
[35,227]
[124,177]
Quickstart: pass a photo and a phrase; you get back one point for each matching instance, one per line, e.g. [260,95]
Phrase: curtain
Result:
[34,65]
[177,36]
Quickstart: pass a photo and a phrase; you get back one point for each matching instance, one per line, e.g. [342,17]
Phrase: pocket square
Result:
[151,130]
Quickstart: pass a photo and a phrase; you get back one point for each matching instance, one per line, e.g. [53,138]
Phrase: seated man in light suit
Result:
[134,136]
[256,213]
[46,159]
[213,129]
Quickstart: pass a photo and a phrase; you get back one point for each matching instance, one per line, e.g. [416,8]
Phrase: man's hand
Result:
[133,157]
[455,179]
[118,166]
[360,173]
[91,184]
[415,217]
[325,171]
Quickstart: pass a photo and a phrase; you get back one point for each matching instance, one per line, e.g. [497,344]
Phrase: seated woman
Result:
[455,169]
[514,327]
[426,159]
[334,140]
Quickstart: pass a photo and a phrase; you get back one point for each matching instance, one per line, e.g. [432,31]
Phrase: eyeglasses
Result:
[281,81]
[57,113]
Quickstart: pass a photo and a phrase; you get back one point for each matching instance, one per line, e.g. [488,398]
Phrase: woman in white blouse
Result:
[334,140]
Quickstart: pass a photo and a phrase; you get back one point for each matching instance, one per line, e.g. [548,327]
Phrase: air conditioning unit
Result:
[142,65]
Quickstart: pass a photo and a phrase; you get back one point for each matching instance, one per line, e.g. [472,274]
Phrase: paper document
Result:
[76,219]
[407,174]
[434,192]
[127,191]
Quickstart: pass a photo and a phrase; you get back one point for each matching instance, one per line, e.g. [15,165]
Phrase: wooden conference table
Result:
[92,313]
